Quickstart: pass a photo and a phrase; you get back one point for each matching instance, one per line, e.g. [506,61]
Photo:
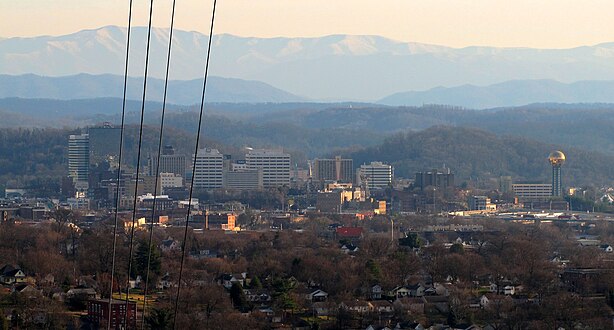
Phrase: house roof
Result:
[25,288]
[318,293]
[414,286]
[435,299]
[381,303]
[356,303]
[349,231]
[13,273]
[410,300]
[9,270]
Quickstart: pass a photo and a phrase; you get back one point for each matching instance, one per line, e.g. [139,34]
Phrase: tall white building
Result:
[79,158]
[274,164]
[377,174]
[208,173]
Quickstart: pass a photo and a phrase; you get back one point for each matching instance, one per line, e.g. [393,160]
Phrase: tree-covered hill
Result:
[473,153]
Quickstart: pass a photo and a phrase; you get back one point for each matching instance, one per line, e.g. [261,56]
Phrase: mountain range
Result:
[336,67]
[183,92]
[509,94]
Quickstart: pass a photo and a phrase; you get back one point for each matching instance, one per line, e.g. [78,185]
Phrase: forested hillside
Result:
[472,153]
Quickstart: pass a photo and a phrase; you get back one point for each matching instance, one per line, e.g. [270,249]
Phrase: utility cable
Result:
[153,207]
[200,119]
[138,161]
[119,167]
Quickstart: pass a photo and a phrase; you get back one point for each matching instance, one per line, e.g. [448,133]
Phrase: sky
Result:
[456,23]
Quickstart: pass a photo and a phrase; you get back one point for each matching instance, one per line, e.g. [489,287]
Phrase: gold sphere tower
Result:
[556,159]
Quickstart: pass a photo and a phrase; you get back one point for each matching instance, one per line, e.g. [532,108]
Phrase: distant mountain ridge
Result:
[336,67]
[509,94]
[184,92]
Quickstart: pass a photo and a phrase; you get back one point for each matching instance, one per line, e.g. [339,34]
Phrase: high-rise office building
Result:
[170,162]
[274,164]
[79,159]
[208,173]
[104,144]
[438,179]
[556,159]
[377,175]
[337,169]
[505,184]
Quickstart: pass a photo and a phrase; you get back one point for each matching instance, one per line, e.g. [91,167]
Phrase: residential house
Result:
[509,290]
[382,306]
[416,290]
[169,245]
[606,248]
[438,302]
[227,280]
[349,248]
[490,300]
[399,292]
[12,274]
[410,305]
[26,289]
[257,296]
[323,308]
[376,292]
[266,310]
[164,282]
[505,287]
[357,306]
[203,254]
[87,293]
[317,295]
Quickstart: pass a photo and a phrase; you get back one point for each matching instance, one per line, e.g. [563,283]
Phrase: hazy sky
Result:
[531,23]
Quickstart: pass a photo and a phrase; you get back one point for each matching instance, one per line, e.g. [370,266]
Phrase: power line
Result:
[200,119]
[153,208]
[138,160]
[119,168]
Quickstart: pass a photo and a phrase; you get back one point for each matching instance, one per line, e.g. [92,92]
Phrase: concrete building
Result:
[163,202]
[220,221]
[274,164]
[170,162]
[79,159]
[505,184]
[481,203]
[243,179]
[208,173]
[329,201]
[169,180]
[435,178]
[532,191]
[377,175]
[337,169]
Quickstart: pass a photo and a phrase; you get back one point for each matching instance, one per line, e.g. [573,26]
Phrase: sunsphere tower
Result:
[556,158]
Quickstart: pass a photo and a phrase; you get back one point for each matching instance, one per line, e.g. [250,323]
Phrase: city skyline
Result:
[545,24]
